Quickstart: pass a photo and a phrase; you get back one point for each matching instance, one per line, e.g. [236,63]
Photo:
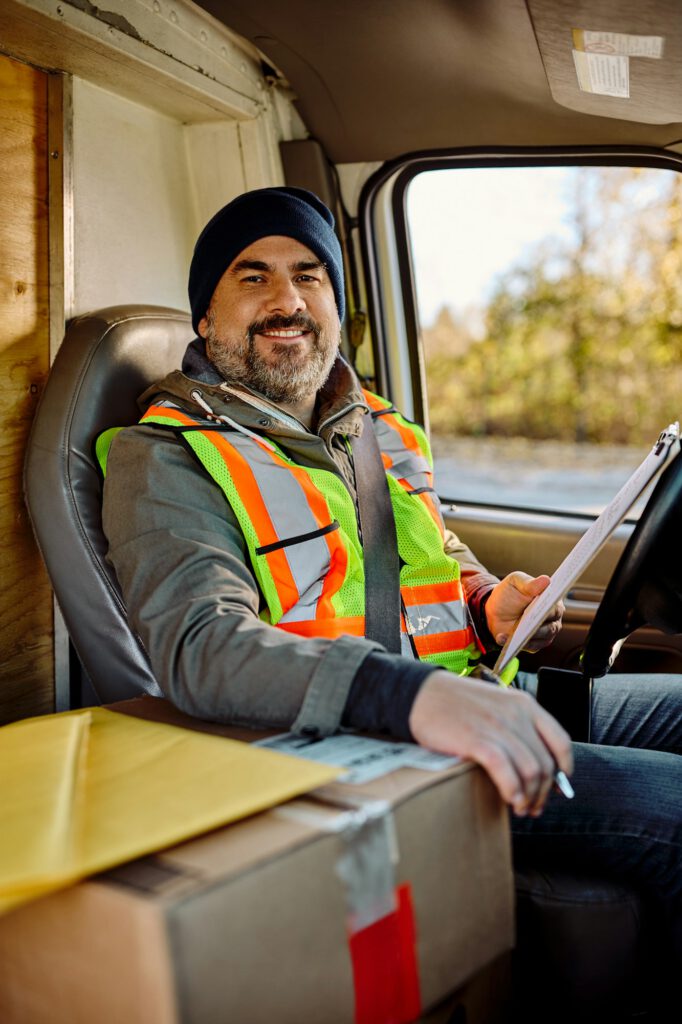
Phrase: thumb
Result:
[533,585]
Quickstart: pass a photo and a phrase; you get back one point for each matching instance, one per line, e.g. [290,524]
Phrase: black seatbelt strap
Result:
[379,542]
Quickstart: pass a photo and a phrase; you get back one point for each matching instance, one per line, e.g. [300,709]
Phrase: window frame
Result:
[387,259]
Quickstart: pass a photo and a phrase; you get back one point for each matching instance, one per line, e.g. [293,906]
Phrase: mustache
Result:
[298,321]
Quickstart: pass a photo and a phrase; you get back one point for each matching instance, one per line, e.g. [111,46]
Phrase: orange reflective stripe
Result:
[436,593]
[352,625]
[387,460]
[245,483]
[333,581]
[244,480]
[338,556]
[372,401]
[437,643]
[172,414]
[328,628]
[249,490]
[440,643]
[426,498]
[406,436]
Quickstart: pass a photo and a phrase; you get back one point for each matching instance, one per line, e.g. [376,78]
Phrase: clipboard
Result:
[589,545]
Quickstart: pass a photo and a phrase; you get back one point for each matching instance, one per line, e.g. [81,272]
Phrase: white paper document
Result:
[363,757]
[588,546]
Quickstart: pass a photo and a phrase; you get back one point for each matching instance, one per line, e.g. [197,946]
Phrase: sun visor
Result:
[613,59]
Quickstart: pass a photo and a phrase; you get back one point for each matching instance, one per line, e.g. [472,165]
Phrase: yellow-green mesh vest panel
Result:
[349,599]
[419,540]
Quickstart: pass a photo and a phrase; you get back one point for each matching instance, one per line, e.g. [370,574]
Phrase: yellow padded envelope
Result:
[85,790]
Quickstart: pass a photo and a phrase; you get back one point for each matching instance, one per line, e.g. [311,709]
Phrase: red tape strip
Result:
[385,974]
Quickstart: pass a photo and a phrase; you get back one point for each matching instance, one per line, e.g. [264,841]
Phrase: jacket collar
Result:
[341,406]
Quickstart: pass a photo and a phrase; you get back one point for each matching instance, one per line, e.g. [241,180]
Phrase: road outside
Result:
[533,474]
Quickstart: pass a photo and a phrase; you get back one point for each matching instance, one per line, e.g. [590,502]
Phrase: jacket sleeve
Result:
[182,565]
[477,583]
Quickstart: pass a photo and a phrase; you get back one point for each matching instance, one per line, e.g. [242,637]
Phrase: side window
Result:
[550,312]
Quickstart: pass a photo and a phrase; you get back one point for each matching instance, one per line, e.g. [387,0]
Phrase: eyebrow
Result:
[309,265]
[263,267]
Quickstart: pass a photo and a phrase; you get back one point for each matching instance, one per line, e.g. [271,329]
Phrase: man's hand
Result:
[504,730]
[507,602]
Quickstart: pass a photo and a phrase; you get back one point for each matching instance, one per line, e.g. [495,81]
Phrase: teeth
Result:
[284,334]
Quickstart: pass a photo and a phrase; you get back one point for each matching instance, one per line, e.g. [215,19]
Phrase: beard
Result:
[293,375]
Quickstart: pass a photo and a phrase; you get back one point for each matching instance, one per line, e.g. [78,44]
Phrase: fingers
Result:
[532,587]
[523,773]
[549,630]
[496,761]
[545,635]
[559,749]
[508,601]
[505,731]
[533,757]
[556,739]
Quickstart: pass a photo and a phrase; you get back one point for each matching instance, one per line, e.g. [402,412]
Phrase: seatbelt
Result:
[379,541]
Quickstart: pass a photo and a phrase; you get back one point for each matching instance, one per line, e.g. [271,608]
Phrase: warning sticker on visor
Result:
[602,59]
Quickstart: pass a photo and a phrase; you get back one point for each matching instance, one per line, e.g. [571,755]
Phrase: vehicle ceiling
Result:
[378,78]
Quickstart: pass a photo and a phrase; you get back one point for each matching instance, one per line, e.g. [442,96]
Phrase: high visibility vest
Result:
[301,532]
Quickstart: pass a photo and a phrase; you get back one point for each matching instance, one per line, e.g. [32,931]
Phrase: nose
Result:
[285,297]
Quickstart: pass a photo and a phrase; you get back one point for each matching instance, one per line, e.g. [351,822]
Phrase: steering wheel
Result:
[646,586]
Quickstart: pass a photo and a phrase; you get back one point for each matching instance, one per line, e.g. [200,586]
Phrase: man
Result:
[252,441]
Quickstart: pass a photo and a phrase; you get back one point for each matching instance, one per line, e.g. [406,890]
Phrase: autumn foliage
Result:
[583,340]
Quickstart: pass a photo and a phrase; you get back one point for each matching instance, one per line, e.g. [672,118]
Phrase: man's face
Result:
[272,323]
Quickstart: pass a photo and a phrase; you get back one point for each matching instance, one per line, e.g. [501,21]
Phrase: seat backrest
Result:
[105,362]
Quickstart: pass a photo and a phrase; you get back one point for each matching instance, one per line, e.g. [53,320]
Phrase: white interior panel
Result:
[133,222]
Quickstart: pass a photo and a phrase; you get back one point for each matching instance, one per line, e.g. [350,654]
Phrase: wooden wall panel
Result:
[26,645]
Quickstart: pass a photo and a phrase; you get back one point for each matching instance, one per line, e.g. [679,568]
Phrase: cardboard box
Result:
[281,917]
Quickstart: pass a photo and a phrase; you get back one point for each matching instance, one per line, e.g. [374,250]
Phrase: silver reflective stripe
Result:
[291,516]
[407,464]
[165,403]
[414,479]
[425,619]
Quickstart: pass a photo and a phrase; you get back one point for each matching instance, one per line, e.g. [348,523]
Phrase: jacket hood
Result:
[197,365]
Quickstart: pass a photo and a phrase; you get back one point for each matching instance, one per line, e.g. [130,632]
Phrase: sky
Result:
[468,225]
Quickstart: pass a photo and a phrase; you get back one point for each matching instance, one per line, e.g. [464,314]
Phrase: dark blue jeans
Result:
[626,819]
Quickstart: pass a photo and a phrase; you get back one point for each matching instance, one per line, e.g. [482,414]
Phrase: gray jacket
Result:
[182,563]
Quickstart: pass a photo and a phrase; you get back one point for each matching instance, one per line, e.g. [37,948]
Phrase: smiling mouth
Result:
[285,330]
[284,335]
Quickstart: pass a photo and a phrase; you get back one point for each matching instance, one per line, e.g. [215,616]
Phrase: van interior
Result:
[505,180]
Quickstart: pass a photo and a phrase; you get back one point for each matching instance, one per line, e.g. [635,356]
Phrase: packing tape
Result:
[380,917]
[367,870]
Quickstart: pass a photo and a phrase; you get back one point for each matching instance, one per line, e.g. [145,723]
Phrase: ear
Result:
[203,325]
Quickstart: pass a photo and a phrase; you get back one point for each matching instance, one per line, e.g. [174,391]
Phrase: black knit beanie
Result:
[293,212]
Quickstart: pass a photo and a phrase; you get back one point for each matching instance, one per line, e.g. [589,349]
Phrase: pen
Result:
[562,785]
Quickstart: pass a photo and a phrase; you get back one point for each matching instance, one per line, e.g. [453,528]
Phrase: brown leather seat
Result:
[106,360]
